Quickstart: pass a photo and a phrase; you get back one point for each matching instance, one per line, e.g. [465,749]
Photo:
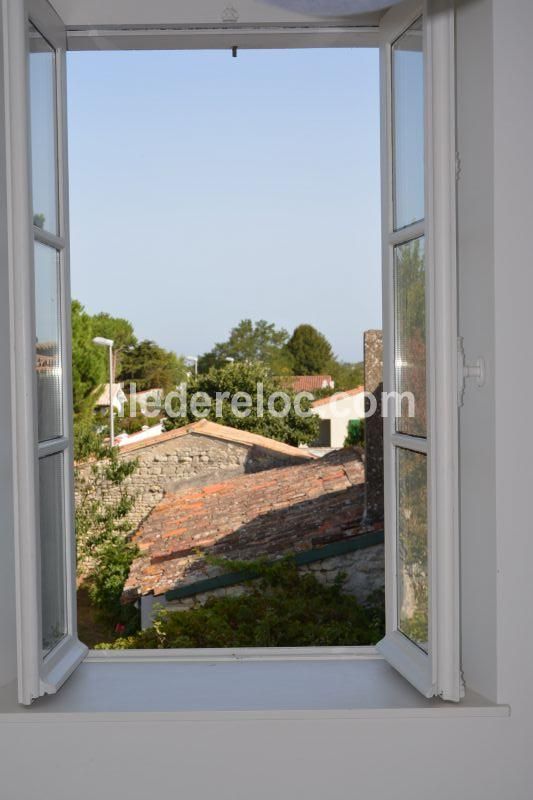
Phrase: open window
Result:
[418,160]
[420,335]
[48,648]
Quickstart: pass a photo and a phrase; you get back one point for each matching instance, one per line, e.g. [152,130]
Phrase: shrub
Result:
[105,553]
[356,433]
[282,608]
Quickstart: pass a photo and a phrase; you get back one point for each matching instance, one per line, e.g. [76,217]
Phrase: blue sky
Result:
[206,189]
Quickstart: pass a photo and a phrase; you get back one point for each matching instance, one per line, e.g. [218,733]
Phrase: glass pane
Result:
[53,576]
[412,546]
[48,342]
[408,126]
[43,132]
[410,336]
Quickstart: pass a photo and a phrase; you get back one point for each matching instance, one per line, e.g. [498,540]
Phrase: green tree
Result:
[310,351]
[88,361]
[251,342]
[346,375]
[240,377]
[117,329]
[151,366]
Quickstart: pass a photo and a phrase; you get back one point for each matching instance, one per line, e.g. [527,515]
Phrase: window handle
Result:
[464,371]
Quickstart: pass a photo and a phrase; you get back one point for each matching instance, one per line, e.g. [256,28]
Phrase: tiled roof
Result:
[204,427]
[308,383]
[282,510]
[323,401]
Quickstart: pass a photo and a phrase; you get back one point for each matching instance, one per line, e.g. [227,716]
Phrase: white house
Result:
[451,717]
[335,413]
[117,395]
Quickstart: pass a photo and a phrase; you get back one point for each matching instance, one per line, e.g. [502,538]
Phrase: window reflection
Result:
[48,343]
[53,578]
[412,546]
[408,126]
[410,334]
[43,132]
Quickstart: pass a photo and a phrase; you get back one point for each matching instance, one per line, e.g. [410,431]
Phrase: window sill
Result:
[169,686]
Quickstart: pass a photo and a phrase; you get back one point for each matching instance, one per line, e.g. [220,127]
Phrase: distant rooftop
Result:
[308,383]
[332,398]
[204,427]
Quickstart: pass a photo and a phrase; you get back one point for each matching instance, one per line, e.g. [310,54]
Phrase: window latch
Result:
[464,371]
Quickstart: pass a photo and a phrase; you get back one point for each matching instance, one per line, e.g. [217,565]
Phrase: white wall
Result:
[464,759]
[340,412]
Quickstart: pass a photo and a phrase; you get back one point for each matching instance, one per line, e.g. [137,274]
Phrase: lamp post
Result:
[101,342]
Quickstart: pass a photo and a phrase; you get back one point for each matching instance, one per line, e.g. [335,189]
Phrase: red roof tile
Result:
[307,383]
[283,510]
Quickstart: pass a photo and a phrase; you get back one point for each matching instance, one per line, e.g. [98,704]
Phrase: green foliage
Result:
[88,439]
[105,553]
[310,351]
[251,342]
[134,420]
[282,608]
[119,330]
[345,375]
[240,377]
[356,433]
[151,366]
[88,361]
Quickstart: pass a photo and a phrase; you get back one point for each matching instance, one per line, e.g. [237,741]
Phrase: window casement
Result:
[420,341]
[420,335]
[48,647]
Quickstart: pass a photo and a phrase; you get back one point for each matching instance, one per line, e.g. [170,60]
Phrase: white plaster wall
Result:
[464,759]
[340,413]
[475,144]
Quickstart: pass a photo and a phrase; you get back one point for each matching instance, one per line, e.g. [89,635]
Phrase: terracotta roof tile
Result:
[287,509]
[307,383]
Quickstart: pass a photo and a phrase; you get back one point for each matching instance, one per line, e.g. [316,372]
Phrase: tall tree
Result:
[151,366]
[240,377]
[88,361]
[117,329]
[252,343]
[310,351]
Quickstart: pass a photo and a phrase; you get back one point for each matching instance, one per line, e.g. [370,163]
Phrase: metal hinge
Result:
[458,166]
[465,371]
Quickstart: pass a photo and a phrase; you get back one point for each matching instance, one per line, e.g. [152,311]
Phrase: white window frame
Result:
[36,677]
[438,671]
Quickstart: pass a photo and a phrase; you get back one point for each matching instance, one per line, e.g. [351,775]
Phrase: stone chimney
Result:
[374,427]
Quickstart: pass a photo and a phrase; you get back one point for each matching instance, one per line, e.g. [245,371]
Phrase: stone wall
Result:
[193,459]
[373,343]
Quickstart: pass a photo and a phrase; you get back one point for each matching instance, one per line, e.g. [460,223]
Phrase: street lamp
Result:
[101,342]
[229,359]
[194,360]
